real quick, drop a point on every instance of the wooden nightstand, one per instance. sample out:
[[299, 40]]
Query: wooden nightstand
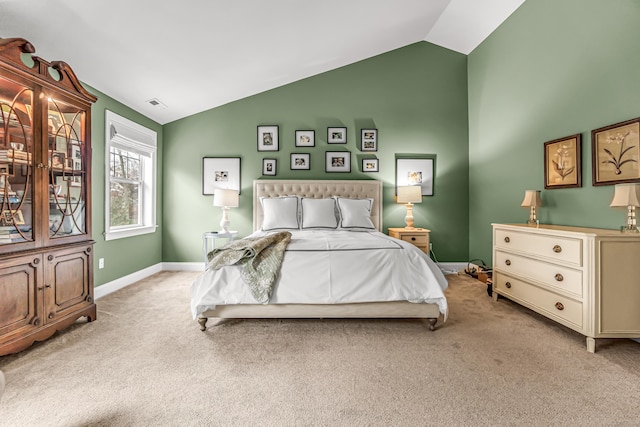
[[418, 237]]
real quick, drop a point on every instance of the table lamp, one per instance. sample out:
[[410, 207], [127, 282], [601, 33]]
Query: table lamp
[[409, 195], [532, 200], [225, 199], [627, 195]]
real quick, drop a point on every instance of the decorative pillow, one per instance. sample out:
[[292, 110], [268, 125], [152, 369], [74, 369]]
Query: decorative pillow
[[319, 213], [355, 213], [279, 213]]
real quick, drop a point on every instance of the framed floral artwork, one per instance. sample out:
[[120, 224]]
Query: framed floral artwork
[[300, 161], [416, 171], [220, 173], [337, 135], [269, 167], [370, 165], [305, 138], [337, 161], [562, 159], [268, 138], [369, 140], [616, 152]]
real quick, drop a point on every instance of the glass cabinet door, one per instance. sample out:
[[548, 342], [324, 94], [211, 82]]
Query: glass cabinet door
[[66, 127], [16, 163]]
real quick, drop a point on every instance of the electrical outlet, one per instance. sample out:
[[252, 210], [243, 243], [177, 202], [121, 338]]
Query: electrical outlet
[[101, 263]]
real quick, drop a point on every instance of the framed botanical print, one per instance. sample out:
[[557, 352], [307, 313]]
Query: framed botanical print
[[416, 171], [562, 159], [220, 173], [269, 167], [616, 153], [300, 161], [337, 135], [268, 138], [305, 138], [370, 165], [337, 161]]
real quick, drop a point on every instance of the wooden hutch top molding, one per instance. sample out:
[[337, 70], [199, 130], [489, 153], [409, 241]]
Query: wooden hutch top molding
[[10, 54]]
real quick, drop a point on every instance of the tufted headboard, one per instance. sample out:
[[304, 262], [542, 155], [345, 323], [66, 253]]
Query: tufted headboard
[[318, 189]]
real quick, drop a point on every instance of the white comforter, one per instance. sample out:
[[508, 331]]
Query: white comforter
[[333, 267]]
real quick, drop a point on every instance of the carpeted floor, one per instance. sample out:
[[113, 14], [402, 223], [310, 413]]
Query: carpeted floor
[[144, 362]]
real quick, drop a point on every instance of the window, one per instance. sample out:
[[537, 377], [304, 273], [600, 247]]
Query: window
[[130, 192]]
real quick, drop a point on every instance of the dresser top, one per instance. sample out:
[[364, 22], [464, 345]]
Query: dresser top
[[552, 229]]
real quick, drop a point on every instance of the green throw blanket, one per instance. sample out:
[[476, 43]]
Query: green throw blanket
[[259, 259]]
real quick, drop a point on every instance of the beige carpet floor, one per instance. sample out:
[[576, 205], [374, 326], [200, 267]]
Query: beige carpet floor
[[144, 362]]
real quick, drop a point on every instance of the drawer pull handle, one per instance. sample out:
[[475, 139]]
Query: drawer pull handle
[[559, 306], [413, 239], [559, 277], [508, 262], [508, 285], [507, 239], [557, 249]]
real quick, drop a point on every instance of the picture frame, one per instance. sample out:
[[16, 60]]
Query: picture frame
[[57, 159], [269, 167], [616, 153], [337, 161], [337, 135], [305, 138], [268, 138], [370, 165], [416, 171], [368, 139], [562, 159], [220, 173], [76, 156], [9, 217], [300, 161]]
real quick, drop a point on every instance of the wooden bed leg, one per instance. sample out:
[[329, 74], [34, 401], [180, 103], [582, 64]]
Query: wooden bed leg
[[432, 323], [203, 323]]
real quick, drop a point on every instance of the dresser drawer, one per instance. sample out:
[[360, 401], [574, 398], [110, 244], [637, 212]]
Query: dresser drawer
[[557, 277], [541, 300], [416, 239], [561, 249]]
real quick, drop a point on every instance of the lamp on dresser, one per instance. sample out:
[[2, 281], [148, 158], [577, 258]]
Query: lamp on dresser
[[225, 199], [409, 195], [628, 196], [532, 200]]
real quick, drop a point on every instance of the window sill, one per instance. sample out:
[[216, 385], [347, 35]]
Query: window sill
[[129, 232]]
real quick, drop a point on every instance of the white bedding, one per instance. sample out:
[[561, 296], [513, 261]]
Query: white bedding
[[333, 267]]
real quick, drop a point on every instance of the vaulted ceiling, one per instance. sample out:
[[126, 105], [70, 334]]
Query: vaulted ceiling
[[193, 55]]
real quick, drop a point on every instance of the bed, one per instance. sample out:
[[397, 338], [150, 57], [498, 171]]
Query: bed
[[317, 279]]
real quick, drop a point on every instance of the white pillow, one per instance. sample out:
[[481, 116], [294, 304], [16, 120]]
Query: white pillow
[[319, 213], [355, 213], [279, 213]]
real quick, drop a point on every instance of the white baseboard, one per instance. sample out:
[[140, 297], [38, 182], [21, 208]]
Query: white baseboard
[[183, 266], [125, 281], [451, 267]]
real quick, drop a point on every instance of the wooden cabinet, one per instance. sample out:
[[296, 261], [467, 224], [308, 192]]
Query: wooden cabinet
[[46, 272], [418, 237], [583, 278]]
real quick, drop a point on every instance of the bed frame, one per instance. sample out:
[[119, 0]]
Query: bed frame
[[321, 189]]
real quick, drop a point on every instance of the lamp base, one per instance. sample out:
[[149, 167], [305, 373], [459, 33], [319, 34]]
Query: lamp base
[[408, 220], [224, 222]]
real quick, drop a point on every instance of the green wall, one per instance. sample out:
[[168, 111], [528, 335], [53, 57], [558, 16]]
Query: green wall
[[415, 96], [128, 255], [553, 69]]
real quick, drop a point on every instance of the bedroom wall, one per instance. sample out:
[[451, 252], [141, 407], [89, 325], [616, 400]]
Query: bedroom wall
[[551, 70], [415, 96], [129, 255]]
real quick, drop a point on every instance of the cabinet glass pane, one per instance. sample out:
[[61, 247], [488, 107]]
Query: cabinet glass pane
[[67, 169], [16, 155]]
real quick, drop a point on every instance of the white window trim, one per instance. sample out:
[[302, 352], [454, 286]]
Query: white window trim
[[126, 133]]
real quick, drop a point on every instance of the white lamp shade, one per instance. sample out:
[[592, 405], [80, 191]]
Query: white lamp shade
[[410, 194], [626, 195], [225, 198], [531, 198]]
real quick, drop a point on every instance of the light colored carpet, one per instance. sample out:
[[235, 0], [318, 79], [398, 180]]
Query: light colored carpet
[[144, 362]]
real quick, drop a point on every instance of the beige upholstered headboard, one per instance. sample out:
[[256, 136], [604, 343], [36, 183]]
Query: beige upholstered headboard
[[318, 189]]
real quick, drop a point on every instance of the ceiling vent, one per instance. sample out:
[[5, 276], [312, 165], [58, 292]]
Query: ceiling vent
[[155, 102]]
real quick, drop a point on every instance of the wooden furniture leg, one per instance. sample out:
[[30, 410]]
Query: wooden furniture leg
[[203, 323], [432, 323]]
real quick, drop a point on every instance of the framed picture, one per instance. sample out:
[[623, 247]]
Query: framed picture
[[416, 171], [57, 159], [12, 218], [370, 165], [337, 161], [220, 173], [300, 161], [76, 156], [337, 135], [305, 138], [269, 166], [268, 138], [369, 139], [616, 153], [562, 158]]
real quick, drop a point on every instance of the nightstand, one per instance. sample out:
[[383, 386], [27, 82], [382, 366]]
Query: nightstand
[[209, 240], [418, 237]]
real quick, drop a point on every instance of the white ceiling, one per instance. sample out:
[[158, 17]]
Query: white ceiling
[[194, 55]]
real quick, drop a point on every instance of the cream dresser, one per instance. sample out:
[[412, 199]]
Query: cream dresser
[[584, 278]]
